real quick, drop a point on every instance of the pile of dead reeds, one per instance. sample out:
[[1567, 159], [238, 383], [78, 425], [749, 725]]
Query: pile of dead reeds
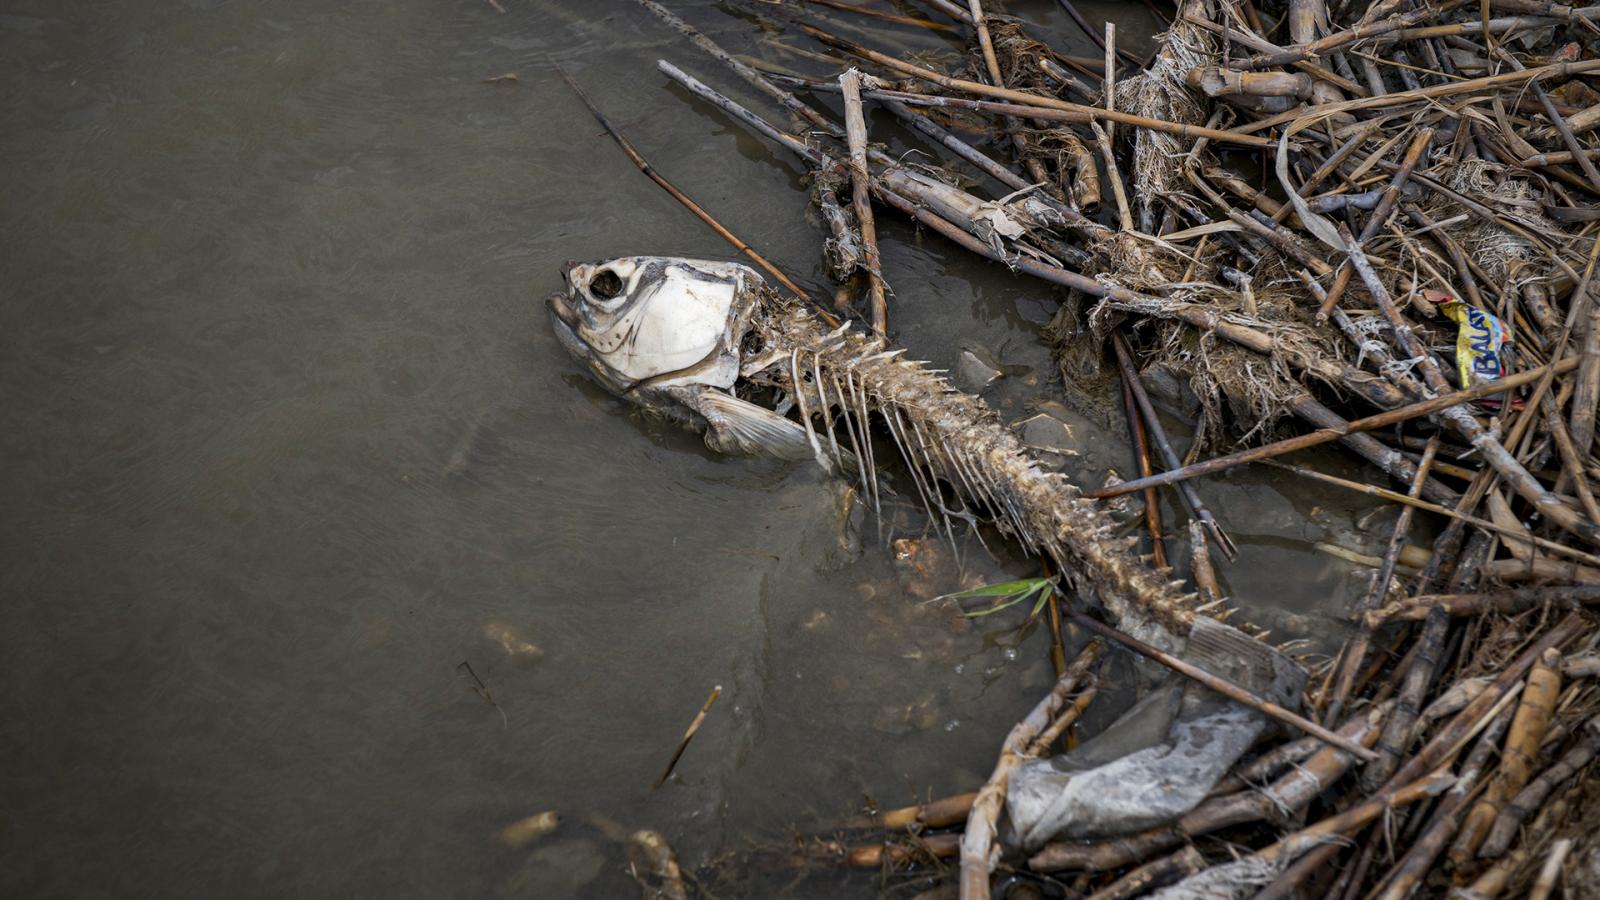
[[1361, 216]]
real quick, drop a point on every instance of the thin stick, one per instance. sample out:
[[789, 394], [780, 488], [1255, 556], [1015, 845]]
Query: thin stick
[[855, 126], [688, 736], [1485, 524], [1386, 203], [1550, 872], [1014, 129], [1355, 651], [1329, 435], [650, 171], [1169, 456], [1226, 688], [1141, 452]]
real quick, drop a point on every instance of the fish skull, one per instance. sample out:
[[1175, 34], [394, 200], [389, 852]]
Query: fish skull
[[651, 321]]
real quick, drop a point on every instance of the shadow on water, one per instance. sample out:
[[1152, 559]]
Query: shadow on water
[[287, 443]]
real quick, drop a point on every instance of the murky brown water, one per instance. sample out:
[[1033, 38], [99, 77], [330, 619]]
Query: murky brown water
[[287, 442]]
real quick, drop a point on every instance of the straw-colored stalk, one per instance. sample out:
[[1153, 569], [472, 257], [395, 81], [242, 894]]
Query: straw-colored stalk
[[1516, 764]]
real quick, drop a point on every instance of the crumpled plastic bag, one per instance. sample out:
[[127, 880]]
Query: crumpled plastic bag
[[1161, 758]]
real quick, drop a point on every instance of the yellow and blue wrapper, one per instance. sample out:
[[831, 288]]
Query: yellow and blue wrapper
[[1482, 349]]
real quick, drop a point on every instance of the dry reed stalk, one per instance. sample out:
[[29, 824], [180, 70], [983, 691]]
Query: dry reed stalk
[[1550, 872], [1396, 737], [855, 125], [1024, 103], [1510, 602], [1156, 873], [978, 853], [1516, 763], [1531, 798], [907, 851], [1355, 649], [1040, 747], [1328, 435], [688, 736], [1403, 880], [940, 813], [678, 195]]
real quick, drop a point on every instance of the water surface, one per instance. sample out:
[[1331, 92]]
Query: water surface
[[291, 459]]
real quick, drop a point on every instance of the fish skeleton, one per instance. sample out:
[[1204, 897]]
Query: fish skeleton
[[701, 342], [686, 337]]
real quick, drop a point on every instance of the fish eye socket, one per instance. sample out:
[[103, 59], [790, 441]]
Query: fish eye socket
[[605, 285]]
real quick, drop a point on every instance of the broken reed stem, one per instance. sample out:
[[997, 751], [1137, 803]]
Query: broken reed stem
[[1225, 688], [1040, 747], [1506, 603], [688, 736], [1516, 762], [978, 851], [1494, 453], [678, 195], [1391, 194], [1408, 873], [1355, 650], [1156, 873], [1405, 500], [855, 124], [1030, 103], [1329, 435], [1141, 453], [1532, 797]]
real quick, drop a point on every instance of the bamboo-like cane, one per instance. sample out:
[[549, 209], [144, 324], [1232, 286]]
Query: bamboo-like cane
[[1516, 763], [1531, 798], [1396, 737], [1402, 881], [1550, 872], [1508, 603], [1156, 873]]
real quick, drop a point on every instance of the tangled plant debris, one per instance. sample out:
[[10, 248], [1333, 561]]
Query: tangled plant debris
[[1354, 215]]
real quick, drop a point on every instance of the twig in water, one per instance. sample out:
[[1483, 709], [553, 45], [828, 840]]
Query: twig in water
[[688, 736], [482, 690], [681, 197]]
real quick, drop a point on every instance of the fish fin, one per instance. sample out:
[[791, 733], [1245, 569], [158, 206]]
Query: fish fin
[[738, 426]]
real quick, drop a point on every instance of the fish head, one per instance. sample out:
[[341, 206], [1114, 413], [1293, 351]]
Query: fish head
[[645, 322]]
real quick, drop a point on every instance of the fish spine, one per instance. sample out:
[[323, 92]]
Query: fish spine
[[943, 431]]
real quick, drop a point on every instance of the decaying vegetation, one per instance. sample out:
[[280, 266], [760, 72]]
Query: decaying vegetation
[[1330, 219]]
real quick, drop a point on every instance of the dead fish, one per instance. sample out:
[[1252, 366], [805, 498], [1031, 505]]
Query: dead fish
[[710, 345], [692, 340]]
